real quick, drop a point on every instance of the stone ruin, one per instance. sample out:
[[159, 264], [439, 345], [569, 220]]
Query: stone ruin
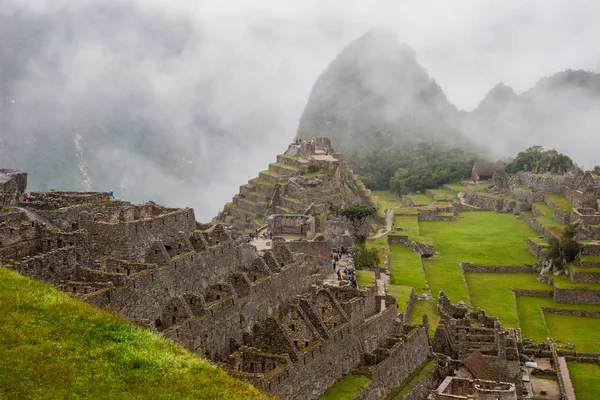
[[298, 193], [264, 316], [484, 360]]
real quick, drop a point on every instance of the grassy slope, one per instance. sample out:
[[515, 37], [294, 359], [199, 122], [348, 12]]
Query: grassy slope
[[347, 389], [491, 291], [59, 347], [406, 269], [585, 379], [481, 237]]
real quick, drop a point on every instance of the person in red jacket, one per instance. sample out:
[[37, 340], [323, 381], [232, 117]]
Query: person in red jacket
[[26, 198]]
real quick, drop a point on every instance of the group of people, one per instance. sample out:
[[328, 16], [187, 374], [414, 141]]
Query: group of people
[[255, 235], [25, 197], [348, 271]]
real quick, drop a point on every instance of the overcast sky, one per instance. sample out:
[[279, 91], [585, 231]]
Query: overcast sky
[[258, 60], [467, 46]]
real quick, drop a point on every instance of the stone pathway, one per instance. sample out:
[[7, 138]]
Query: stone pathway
[[564, 371]]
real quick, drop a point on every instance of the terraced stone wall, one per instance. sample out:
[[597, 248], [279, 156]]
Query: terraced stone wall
[[575, 296]]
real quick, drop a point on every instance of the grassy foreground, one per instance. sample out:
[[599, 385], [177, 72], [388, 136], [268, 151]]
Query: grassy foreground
[[55, 347]]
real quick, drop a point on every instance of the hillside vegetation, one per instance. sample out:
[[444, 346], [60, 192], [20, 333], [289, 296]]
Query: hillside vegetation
[[55, 347]]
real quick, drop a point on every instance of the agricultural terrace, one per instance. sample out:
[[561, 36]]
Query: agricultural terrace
[[490, 239], [483, 237]]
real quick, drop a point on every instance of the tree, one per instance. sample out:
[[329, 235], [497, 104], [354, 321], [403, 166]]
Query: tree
[[538, 160], [357, 214], [565, 250]]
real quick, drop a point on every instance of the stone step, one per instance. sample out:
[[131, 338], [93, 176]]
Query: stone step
[[257, 197], [264, 187], [257, 208], [247, 189], [284, 169], [292, 203], [269, 176], [293, 161], [284, 210], [242, 214]]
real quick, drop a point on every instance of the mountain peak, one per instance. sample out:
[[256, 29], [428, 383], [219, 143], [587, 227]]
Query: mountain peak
[[499, 96]]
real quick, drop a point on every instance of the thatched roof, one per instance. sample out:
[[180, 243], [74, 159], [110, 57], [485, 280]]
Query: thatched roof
[[485, 168], [479, 367]]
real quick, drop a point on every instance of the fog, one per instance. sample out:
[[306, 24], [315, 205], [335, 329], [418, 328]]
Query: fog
[[181, 102]]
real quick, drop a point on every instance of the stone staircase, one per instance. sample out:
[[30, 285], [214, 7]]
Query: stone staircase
[[254, 202]]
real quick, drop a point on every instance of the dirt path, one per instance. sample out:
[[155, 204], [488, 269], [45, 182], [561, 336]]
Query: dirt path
[[389, 224]]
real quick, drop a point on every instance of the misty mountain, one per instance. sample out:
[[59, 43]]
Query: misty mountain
[[560, 111], [376, 83]]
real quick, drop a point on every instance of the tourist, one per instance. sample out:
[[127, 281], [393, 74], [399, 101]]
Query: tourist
[[111, 194], [26, 198], [353, 283], [270, 235], [339, 274]]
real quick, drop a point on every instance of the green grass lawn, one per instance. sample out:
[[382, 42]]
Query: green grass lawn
[[482, 237], [428, 307], [456, 187], [531, 318], [581, 331], [420, 199], [409, 224], [561, 202], [347, 389], [491, 291], [401, 293], [443, 195], [56, 347], [585, 379], [364, 277], [406, 269]]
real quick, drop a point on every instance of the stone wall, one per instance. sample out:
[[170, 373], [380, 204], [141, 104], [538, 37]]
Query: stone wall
[[470, 267], [404, 358], [490, 203], [539, 228], [558, 214], [584, 277], [375, 329], [546, 183], [575, 296], [539, 250], [321, 250], [526, 195], [573, 313]]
